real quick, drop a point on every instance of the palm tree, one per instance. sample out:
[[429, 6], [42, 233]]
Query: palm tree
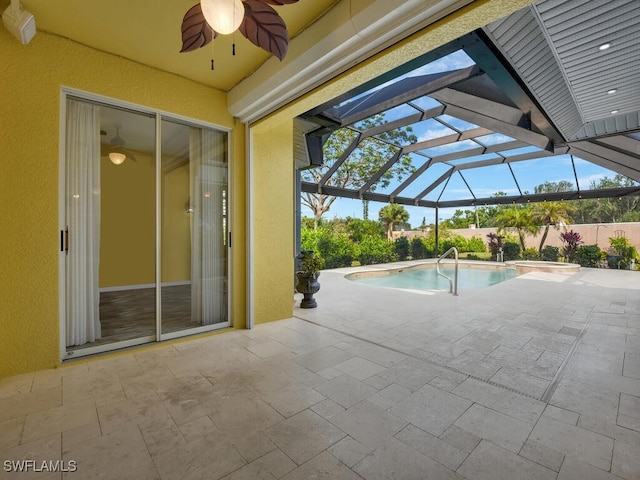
[[391, 215], [551, 213], [517, 218]]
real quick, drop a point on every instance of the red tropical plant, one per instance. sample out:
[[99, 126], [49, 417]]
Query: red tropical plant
[[570, 242], [262, 26]]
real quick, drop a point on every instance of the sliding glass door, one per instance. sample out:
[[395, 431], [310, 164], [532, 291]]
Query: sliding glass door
[[194, 228], [145, 228]]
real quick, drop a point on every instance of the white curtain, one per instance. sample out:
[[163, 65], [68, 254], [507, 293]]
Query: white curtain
[[208, 171], [83, 222]]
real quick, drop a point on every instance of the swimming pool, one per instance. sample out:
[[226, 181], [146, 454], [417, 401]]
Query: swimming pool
[[425, 277]]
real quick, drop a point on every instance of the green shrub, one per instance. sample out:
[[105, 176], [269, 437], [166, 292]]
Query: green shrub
[[531, 254], [374, 249], [401, 247], [625, 252], [476, 244], [357, 228], [550, 253], [336, 250], [418, 249], [511, 251], [588, 255]]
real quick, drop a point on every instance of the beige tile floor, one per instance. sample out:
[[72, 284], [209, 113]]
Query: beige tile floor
[[538, 377]]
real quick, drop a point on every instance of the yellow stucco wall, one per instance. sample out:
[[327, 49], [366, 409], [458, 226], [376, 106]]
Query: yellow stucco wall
[[273, 224], [127, 222], [31, 77], [273, 197], [176, 226]]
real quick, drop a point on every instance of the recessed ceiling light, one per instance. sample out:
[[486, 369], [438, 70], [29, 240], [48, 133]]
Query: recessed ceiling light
[[604, 46], [613, 90], [613, 112]]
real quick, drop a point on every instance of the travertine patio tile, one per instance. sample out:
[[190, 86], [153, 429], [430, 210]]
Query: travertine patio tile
[[346, 390], [161, 438], [379, 355], [561, 414], [349, 451], [500, 429], [577, 442], [586, 399], [269, 349], [11, 432], [529, 384], [368, 423], [545, 456], [323, 358], [504, 401], [411, 373], [322, 467], [200, 427], [461, 439], [238, 418], [23, 404], [304, 435], [120, 454], [56, 420], [631, 365], [626, 461], [211, 407], [573, 469], [10, 386], [474, 363], [205, 457], [606, 341], [273, 465], [328, 408], [395, 460], [610, 362], [119, 415], [629, 412], [431, 409], [490, 462], [359, 368], [434, 448], [290, 398], [42, 450], [389, 396]]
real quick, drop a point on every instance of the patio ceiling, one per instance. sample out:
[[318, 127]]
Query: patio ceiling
[[536, 88]]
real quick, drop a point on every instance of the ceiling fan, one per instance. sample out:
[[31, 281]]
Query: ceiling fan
[[116, 148], [255, 19]]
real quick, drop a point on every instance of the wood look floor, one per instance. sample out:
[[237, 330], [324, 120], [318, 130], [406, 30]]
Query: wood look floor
[[129, 314]]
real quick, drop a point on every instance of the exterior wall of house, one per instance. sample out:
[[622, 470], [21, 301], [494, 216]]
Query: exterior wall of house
[[273, 237], [32, 77]]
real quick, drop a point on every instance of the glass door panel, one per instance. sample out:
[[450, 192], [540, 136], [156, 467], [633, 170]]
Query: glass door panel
[[145, 240], [193, 227], [110, 213]]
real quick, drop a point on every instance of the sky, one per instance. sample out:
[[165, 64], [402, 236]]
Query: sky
[[484, 182]]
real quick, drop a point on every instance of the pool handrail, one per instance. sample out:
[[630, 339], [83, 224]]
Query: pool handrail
[[453, 286]]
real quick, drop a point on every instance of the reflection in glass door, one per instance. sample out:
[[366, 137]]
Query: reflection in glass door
[[142, 229], [194, 227]]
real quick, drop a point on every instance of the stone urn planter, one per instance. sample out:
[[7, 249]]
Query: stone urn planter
[[310, 264]]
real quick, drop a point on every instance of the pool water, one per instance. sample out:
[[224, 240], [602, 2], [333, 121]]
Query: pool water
[[428, 278]]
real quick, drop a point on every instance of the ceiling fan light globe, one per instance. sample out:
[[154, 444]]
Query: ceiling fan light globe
[[223, 16], [117, 158]]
